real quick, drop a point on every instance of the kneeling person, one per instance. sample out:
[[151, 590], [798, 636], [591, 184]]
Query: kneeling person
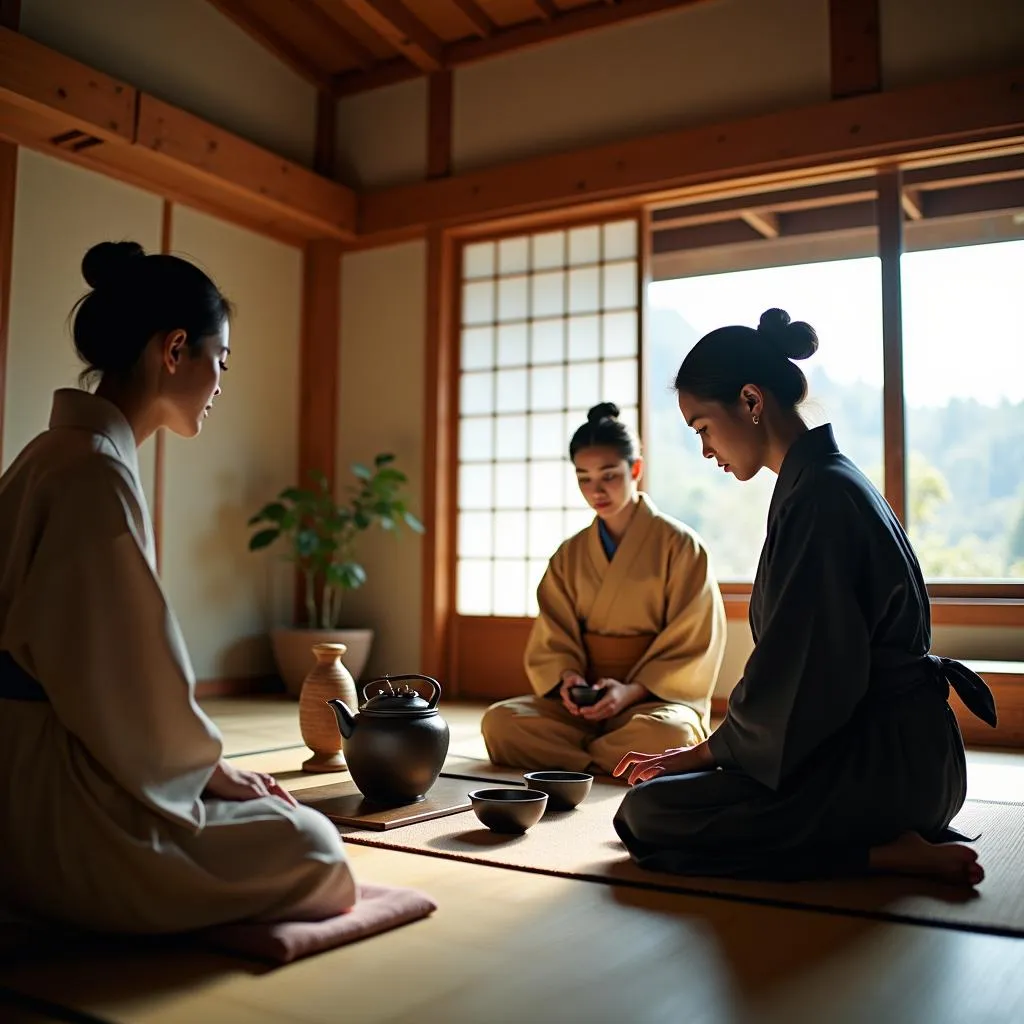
[[630, 606]]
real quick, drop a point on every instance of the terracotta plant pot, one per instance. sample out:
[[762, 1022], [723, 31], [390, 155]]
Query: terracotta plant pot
[[327, 680], [293, 652]]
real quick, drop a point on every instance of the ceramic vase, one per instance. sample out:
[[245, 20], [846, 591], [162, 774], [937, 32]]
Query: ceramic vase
[[327, 679]]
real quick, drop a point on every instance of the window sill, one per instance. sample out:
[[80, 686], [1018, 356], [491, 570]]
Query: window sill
[[946, 611]]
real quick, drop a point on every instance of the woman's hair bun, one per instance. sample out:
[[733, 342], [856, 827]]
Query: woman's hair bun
[[604, 411], [795, 340], [107, 262]]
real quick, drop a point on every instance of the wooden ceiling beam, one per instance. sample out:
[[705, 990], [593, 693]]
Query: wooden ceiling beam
[[340, 38], [850, 135], [264, 34], [547, 9], [397, 25], [481, 21], [966, 172], [519, 37]]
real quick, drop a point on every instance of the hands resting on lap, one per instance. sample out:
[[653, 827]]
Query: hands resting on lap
[[231, 783]]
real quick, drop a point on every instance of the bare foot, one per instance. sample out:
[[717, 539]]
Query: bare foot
[[913, 855]]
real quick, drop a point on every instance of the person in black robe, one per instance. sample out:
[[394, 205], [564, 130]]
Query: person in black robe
[[839, 753]]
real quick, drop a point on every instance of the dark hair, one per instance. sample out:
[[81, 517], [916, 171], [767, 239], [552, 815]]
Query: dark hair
[[603, 429], [135, 296], [718, 366]]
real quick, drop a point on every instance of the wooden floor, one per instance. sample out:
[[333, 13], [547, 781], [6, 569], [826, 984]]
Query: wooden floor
[[507, 946]]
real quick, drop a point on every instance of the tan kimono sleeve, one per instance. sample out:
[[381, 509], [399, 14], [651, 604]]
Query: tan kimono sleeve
[[683, 662], [555, 644], [93, 627]]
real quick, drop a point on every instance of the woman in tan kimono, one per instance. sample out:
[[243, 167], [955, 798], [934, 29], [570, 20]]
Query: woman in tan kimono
[[630, 606], [118, 812], [839, 753]]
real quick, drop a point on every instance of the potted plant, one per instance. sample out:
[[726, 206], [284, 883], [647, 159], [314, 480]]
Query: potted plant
[[321, 536]]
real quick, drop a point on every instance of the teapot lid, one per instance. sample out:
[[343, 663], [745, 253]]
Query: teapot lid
[[396, 700]]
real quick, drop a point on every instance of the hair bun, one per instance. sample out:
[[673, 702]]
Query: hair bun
[[795, 340], [603, 411], [107, 262]]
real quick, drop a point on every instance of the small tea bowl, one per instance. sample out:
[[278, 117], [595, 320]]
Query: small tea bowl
[[585, 696], [511, 810], [564, 789]]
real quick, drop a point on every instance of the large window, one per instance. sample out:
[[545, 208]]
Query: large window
[[842, 299], [963, 343], [549, 328]]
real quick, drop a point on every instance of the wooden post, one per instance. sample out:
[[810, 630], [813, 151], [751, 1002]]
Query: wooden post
[[890, 245], [856, 51], [318, 370], [439, 429], [439, 135], [326, 127]]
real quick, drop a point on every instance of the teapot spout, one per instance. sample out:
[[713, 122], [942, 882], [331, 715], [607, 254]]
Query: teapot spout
[[346, 720]]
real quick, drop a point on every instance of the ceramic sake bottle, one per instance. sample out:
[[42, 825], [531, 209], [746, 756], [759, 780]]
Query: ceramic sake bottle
[[328, 679]]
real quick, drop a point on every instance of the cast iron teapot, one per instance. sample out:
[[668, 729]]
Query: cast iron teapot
[[396, 745]]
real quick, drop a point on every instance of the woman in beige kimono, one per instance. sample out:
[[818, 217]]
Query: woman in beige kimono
[[118, 812], [629, 606]]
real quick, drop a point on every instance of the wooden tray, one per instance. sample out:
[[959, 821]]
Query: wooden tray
[[345, 805]]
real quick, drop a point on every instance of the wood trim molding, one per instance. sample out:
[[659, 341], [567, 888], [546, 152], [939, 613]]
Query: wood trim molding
[[8, 197], [992, 613], [238, 686], [63, 108], [855, 47], [438, 507], [849, 135], [890, 246]]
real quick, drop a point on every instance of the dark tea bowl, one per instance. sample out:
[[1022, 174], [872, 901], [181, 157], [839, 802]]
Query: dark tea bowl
[[511, 810], [585, 696], [564, 789]]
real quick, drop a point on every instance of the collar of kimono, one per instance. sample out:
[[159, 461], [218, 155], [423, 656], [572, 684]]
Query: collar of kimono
[[86, 411], [635, 532], [814, 446]]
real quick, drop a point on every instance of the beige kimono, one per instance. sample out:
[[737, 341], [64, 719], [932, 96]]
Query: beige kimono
[[652, 615], [103, 820]]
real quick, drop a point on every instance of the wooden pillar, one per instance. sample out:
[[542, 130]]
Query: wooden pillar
[[326, 126], [439, 132], [318, 371], [439, 440], [890, 245], [855, 44]]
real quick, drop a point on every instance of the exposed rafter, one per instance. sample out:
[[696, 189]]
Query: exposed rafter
[[766, 224], [496, 41], [397, 25], [264, 34], [481, 21], [344, 42]]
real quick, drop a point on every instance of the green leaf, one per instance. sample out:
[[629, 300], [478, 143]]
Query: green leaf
[[383, 459], [413, 522], [297, 495], [391, 476], [361, 471], [387, 522], [306, 543], [263, 539], [348, 575]]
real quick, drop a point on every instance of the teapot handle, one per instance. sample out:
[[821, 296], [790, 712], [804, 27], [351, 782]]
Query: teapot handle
[[435, 695]]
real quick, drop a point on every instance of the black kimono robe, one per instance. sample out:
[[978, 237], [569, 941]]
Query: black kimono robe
[[839, 736]]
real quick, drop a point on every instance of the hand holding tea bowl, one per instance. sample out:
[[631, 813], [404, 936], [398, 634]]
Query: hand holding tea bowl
[[565, 790], [511, 809], [585, 696]]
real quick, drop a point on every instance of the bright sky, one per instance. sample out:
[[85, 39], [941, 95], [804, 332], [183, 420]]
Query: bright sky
[[963, 317]]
